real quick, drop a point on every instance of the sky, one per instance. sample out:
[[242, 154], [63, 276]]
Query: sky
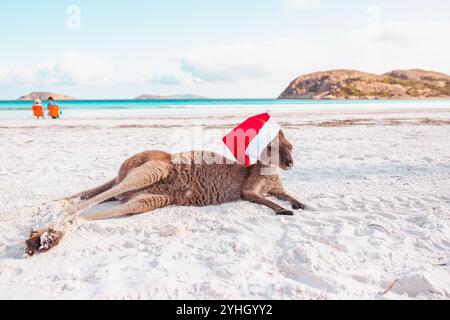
[[100, 49]]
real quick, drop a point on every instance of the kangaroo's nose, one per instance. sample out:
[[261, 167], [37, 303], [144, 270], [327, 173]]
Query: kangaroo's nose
[[291, 163]]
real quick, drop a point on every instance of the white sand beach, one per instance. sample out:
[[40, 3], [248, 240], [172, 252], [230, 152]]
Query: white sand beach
[[377, 183]]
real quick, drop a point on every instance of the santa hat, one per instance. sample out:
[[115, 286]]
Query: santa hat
[[249, 139]]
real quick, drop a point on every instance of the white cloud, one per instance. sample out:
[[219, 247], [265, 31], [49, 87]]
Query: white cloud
[[273, 58], [78, 69], [4, 74], [70, 69], [401, 45], [165, 80]]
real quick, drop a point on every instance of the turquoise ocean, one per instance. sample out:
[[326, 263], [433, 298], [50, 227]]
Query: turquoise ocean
[[144, 104], [149, 108]]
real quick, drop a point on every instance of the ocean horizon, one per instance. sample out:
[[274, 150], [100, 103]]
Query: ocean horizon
[[180, 103], [86, 109]]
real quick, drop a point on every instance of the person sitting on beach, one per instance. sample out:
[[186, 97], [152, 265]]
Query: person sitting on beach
[[53, 108], [38, 109]]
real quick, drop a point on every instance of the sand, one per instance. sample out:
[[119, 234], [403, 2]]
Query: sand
[[378, 227]]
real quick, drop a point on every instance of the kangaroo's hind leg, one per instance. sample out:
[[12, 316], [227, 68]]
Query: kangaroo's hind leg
[[138, 178], [139, 204], [146, 175], [89, 194], [129, 165]]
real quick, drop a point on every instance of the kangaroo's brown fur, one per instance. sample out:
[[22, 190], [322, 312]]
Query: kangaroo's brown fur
[[152, 180]]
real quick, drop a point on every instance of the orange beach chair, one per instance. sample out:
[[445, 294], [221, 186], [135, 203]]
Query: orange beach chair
[[38, 111], [53, 111]]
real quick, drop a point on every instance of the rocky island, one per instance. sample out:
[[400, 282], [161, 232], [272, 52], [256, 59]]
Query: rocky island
[[45, 96], [352, 84]]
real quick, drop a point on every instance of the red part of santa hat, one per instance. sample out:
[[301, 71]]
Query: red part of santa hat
[[249, 139]]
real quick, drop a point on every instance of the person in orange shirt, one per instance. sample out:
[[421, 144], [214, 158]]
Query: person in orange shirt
[[53, 108], [38, 109]]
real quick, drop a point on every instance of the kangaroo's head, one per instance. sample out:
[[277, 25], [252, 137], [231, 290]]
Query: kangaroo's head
[[278, 153]]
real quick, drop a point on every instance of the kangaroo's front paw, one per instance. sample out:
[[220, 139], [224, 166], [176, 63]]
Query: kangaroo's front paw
[[285, 213], [298, 205], [42, 241]]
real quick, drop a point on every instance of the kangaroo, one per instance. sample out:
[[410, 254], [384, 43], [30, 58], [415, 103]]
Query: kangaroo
[[156, 179]]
